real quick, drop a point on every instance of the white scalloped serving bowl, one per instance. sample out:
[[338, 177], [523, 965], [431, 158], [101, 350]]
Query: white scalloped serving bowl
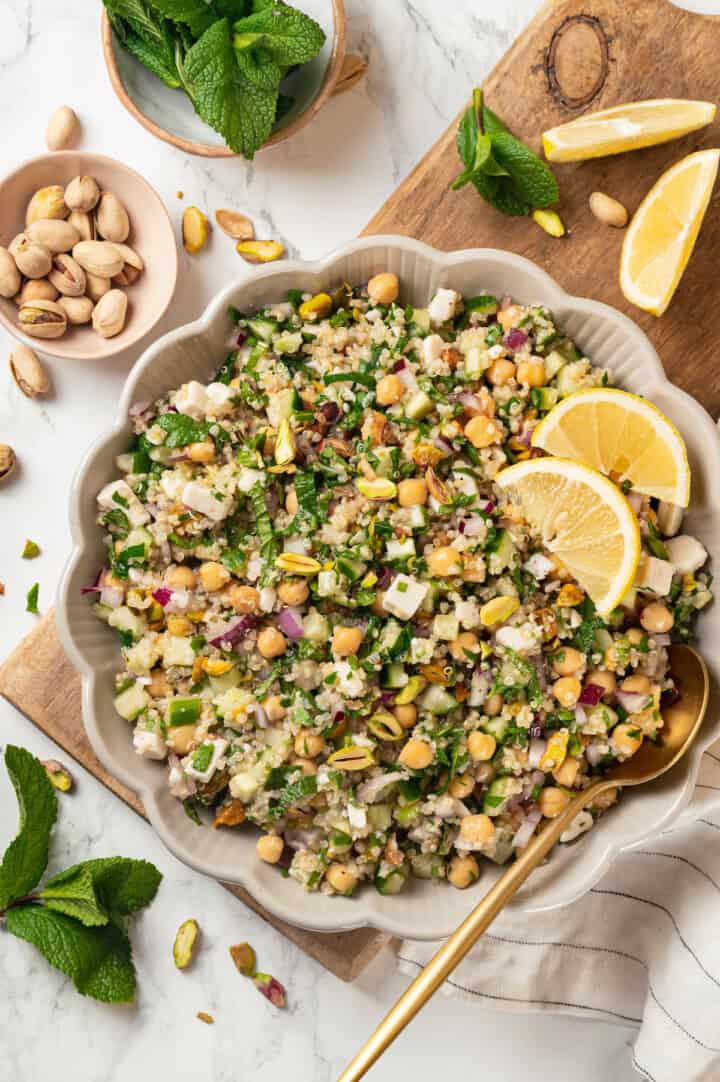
[[425, 910]]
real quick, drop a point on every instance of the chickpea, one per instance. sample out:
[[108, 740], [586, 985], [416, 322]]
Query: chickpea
[[181, 739], [309, 745], [603, 679], [307, 766], [201, 452], [389, 390], [294, 592], [271, 642], [477, 829], [274, 708], [627, 738], [656, 618], [341, 878], [474, 569], [383, 288], [406, 715], [269, 847], [500, 372], [463, 871], [553, 802], [605, 800], [181, 578], [158, 686], [417, 754], [566, 774], [637, 682], [510, 316], [346, 640], [466, 643], [244, 599], [413, 492], [291, 501], [493, 705], [461, 786], [482, 431], [635, 635], [179, 625], [567, 691], [445, 562], [214, 576], [568, 662], [481, 746], [531, 373]]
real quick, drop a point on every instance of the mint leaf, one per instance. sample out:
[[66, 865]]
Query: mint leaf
[[121, 885], [181, 430], [197, 15], [291, 36], [224, 96], [75, 896], [26, 857], [491, 122], [532, 179], [97, 960], [150, 39]]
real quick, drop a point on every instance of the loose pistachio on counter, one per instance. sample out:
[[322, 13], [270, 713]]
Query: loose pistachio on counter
[[8, 461], [63, 129], [236, 225], [29, 372]]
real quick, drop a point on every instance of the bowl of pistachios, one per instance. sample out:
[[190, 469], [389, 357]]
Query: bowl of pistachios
[[88, 259]]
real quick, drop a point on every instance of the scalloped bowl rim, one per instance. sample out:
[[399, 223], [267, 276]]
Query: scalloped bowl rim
[[364, 909]]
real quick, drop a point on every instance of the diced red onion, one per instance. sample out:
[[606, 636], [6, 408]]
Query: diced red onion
[[475, 526], [594, 753], [580, 715], [670, 696], [662, 639], [370, 790], [234, 631], [591, 694], [535, 729], [461, 526], [399, 365], [387, 696], [138, 408], [489, 507], [449, 807], [385, 577], [162, 595], [635, 501], [526, 434], [526, 829], [98, 583], [303, 839], [261, 718], [290, 622], [538, 748], [407, 377], [537, 777], [330, 411], [338, 712], [111, 596], [632, 701], [442, 445], [241, 338], [515, 338], [471, 403], [505, 301]]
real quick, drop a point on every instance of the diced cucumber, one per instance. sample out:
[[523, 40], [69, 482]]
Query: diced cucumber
[[263, 328], [380, 816], [446, 627], [544, 398], [392, 883], [281, 405], [437, 700], [603, 639], [601, 715], [421, 316], [327, 583], [394, 676], [316, 627], [139, 536], [497, 727], [419, 406], [406, 814], [484, 303], [388, 461], [476, 361], [228, 680], [502, 553], [400, 550], [497, 796], [427, 865], [124, 619], [131, 702], [569, 379], [553, 363], [351, 569], [183, 712], [418, 517], [288, 343]]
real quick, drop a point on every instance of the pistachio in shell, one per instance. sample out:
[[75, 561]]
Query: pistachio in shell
[[47, 203], [98, 257], [112, 219], [16, 244], [84, 223], [67, 276], [63, 129], [42, 319], [56, 236], [82, 194], [10, 279], [33, 260], [28, 372], [37, 289], [8, 461], [97, 287], [78, 310], [132, 267], [108, 318], [236, 225]]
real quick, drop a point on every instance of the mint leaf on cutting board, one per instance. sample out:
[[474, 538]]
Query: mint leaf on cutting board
[[26, 857]]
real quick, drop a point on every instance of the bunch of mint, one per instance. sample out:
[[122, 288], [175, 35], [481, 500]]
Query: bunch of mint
[[78, 919], [229, 56], [506, 173]]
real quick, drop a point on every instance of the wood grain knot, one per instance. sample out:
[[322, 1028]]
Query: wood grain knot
[[577, 61]]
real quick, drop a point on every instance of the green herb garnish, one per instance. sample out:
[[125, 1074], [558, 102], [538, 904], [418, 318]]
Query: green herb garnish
[[31, 602], [31, 550]]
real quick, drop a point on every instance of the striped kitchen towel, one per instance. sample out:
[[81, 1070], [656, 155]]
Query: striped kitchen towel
[[641, 948]]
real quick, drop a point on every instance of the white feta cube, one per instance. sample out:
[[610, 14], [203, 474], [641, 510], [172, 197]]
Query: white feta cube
[[178, 784], [247, 479], [191, 400], [432, 348], [523, 640], [218, 396], [244, 785], [421, 650], [444, 305], [172, 483], [141, 657], [350, 682], [669, 517], [655, 575], [218, 750], [686, 554], [539, 566], [468, 613], [446, 627], [149, 744], [200, 498], [582, 822], [404, 596], [177, 651], [132, 507]]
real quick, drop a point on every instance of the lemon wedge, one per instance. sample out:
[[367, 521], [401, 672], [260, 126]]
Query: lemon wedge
[[583, 519], [621, 435], [625, 127], [662, 234]]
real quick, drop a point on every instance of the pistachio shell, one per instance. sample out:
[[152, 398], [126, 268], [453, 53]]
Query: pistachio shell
[[132, 267], [98, 257], [82, 194], [57, 236], [47, 203], [112, 219], [16, 244], [63, 129], [28, 372], [234, 224], [96, 286], [10, 280], [108, 318], [37, 289], [84, 223], [33, 260], [67, 276], [43, 319], [78, 310], [8, 461], [130, 256]]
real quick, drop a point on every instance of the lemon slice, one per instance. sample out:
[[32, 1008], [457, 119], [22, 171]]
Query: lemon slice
[[623, 436], [625, 127], [662, 234], [583, 519]]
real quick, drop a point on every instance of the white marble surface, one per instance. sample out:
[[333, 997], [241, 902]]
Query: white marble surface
[[312, 193]]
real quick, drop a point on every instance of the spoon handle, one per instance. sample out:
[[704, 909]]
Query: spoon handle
[[454, 950]]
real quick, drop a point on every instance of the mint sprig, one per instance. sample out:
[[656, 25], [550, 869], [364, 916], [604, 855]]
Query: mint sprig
[[78, 919], [505, 172]]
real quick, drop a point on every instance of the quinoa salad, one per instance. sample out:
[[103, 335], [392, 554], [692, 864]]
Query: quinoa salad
[[336, 627]]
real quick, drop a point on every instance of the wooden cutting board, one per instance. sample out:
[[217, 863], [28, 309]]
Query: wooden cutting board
[[576, 56]]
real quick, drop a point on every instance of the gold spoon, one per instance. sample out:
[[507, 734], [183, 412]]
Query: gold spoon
[[682, 721]]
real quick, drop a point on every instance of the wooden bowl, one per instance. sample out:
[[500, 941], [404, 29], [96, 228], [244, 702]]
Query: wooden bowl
[[151, 234], [169, 115]]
